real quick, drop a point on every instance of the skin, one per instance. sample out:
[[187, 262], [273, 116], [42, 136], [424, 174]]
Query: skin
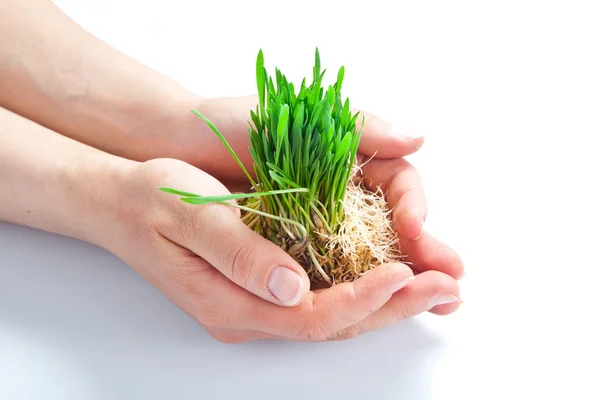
[[119, 130]]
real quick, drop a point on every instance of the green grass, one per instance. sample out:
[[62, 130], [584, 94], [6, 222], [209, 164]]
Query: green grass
[[303, 142]]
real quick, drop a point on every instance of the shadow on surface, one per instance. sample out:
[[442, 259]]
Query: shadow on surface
[[127, 341]]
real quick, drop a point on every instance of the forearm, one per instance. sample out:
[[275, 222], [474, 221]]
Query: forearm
[[54, 72], [53, 183]]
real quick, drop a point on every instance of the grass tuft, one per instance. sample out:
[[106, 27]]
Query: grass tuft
[[304, 143]]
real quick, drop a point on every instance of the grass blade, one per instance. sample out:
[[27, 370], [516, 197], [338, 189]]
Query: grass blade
[[235, 196], [178, 192], [220, 135]]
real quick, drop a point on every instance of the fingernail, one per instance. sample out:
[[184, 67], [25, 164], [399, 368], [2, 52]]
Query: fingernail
[[443, 299], [406, 133], [422, 230], [405, 282], [286, 285]]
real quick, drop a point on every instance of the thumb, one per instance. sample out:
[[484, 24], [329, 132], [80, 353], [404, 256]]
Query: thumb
[[246, 258], [383, 140]]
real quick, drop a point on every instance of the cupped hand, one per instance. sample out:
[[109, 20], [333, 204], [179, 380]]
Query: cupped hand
[[383, 148], [242, 287]]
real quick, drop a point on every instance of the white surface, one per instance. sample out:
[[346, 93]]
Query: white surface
[[508, 95]]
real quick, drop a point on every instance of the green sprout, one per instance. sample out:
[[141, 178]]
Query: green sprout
[[303, 143]]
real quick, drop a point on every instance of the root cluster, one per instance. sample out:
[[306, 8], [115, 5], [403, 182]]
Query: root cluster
[[365, 239]]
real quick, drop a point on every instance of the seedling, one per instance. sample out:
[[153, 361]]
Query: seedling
[[307, 195]]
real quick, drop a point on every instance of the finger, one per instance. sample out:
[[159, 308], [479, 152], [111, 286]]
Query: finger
[[217, 234], [206, 295], [404, 192], [226, 306], [331, 310], [381, 139], [249, 260], [431, 254], [403, 189], [430, 291]]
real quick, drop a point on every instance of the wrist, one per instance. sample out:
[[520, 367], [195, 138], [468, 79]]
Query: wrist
[[55, 184], [90, 195]]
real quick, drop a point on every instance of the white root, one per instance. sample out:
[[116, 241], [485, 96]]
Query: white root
[[366, 237]]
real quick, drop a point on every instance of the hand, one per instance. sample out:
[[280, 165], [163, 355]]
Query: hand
[[201, 257], [383, 148], [224, 275]]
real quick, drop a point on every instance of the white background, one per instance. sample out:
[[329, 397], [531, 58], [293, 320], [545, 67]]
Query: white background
[[508, 94]]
